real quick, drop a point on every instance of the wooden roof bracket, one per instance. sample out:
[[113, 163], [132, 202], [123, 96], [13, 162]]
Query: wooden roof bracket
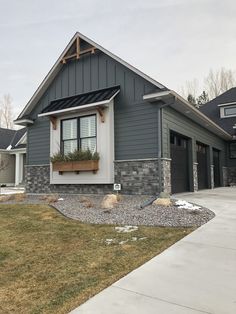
[[79, 52], [54, 122], [101, 114]]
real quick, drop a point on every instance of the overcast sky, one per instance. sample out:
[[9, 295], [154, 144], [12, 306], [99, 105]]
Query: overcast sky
[[171, 40]]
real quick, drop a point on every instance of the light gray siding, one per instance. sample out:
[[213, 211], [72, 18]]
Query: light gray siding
[[7, 176], [135, 121], [173, 120]]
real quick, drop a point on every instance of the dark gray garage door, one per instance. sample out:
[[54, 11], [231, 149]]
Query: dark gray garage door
[[202, 166], [179, 163], [216, 163]]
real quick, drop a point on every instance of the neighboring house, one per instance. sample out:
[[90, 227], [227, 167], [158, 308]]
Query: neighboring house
[[13, 155], [222, 110], [149, 138]]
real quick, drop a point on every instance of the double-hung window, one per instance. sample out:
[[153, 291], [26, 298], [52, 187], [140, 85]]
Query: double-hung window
[[79, 133]]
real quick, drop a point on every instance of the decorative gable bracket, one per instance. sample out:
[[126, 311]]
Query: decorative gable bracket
[[78, 51]]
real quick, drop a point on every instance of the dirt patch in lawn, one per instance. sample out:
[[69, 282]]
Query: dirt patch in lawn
[[51, 264]]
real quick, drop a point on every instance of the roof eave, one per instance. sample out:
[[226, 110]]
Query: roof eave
[[24, 122], [209, 124]]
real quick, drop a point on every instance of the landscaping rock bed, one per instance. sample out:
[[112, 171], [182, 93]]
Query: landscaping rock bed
[[87, 208]]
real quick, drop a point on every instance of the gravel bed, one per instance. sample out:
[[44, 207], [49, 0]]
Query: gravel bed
[[87, 208]]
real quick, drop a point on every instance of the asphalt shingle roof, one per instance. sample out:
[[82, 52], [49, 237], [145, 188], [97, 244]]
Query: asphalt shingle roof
[[10, 137], [82, 99], [212, 111]]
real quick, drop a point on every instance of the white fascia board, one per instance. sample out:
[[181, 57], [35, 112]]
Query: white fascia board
[[227, 104], [21, 141], [51, 74], [78, 108], [191, 108], [157, 96], [17, 150], [23, 121]]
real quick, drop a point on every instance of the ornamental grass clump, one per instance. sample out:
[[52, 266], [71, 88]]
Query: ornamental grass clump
[[77, 155]]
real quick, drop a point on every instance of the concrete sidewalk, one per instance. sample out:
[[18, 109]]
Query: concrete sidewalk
[[196, 275]]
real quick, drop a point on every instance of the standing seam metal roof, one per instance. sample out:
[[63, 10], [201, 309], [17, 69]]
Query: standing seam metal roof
[[82, 99]]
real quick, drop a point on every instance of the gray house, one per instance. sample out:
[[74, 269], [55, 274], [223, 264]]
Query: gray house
[[149, 138], [222, 110], [12, 156]]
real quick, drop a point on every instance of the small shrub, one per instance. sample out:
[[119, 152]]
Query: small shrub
[[6, 198], [50, 198], [20, 197], [77, 155], [86, 202]]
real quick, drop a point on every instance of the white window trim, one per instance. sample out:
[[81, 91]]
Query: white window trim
[[226, 106], [105, 148]]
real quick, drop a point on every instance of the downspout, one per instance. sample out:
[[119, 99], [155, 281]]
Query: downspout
[[159, 146]]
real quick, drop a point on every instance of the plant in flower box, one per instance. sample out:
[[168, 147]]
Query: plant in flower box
[[79, 160]]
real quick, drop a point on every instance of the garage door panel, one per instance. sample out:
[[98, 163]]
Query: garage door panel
[[202, 166], [179, 164]]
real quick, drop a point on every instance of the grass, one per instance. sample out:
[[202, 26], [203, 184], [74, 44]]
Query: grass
[[51, 264]]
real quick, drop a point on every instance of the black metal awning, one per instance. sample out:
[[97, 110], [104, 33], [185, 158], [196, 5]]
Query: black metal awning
[[81, 101]]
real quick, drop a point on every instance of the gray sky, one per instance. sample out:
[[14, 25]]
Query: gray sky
[[171, 40]]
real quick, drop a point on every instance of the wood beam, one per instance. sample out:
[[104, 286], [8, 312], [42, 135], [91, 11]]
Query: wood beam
[[77, 47], [79, 52], [54, 122], [101, 114]]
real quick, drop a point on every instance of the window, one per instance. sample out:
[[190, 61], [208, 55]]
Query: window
[[232, 150], [230, 111], [201, 148], [69, 135], [178, 140], [79, 133], [227, 110]]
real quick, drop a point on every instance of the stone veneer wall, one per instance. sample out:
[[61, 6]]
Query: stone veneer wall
[[38, 181], [225, 176], [231, 176], [212, 177], [166, 175], [195, 177], [136, 177]]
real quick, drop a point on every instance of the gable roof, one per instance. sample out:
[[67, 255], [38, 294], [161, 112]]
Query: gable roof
[[17, 137], [10, 138], [6, 136], [58, 65], [212, 111]]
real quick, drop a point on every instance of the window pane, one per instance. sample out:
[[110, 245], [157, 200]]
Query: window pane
[[70, 146], [89, 143], [69, 129], [230, 111], [87, 126]]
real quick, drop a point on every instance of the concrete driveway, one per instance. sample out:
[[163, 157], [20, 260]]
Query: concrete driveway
[[196, 275]]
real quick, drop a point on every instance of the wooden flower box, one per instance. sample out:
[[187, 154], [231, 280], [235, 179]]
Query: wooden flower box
[[75, 166]]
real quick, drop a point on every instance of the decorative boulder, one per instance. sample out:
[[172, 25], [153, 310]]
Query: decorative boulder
[[162, 202], [109, 201]]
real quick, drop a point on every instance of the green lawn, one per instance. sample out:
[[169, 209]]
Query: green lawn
[[51, 264]]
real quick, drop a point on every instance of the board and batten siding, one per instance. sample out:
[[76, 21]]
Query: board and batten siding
[[173, 120], [135, 121]]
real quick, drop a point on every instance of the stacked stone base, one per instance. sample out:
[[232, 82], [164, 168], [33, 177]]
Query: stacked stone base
[[135, 177], [231, 176]]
